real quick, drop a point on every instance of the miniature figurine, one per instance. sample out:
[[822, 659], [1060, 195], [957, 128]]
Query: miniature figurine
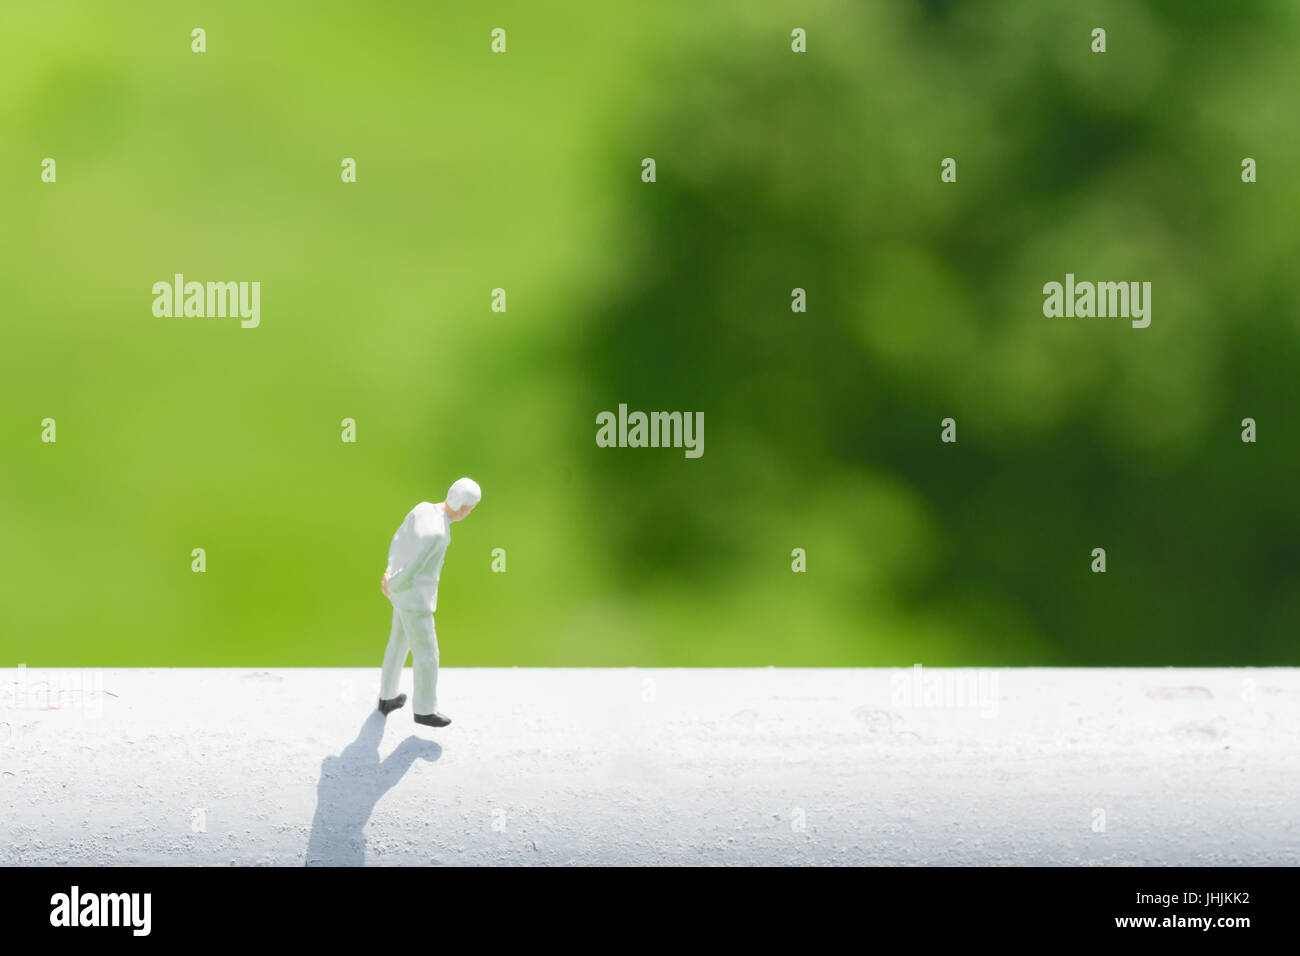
[[410, 582]]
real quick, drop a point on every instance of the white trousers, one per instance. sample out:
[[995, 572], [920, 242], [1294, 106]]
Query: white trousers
[[412, 632]]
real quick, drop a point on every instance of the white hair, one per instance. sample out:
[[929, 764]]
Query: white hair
[[463, 491]]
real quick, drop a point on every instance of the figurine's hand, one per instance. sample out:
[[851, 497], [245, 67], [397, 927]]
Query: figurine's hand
[[383, 585]]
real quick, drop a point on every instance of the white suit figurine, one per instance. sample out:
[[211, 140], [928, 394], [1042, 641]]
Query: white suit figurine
[[411, 584]]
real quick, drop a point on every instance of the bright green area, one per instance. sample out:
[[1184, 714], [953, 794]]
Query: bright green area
[[775, 170]]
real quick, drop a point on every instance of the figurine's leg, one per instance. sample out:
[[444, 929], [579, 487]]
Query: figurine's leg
[[424, 663], [394, 659]]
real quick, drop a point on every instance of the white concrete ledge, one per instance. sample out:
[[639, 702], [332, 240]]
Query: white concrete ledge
[[629, 766]]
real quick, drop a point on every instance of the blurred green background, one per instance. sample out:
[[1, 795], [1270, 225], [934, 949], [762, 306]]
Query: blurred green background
[[775, 171]]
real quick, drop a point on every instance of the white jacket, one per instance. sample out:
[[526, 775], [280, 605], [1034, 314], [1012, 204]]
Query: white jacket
[[415, 558]]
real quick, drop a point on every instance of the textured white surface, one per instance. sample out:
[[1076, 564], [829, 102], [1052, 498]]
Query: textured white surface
[[652, 766]]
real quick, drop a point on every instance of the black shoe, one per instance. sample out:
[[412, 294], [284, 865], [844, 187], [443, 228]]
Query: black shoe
[[386, 707], [432, 720]]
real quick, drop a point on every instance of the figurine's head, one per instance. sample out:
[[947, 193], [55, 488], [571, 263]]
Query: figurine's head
[[462, 496]]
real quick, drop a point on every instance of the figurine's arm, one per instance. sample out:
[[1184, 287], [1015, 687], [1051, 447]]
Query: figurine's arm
[[393, 578], [400, 578]]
